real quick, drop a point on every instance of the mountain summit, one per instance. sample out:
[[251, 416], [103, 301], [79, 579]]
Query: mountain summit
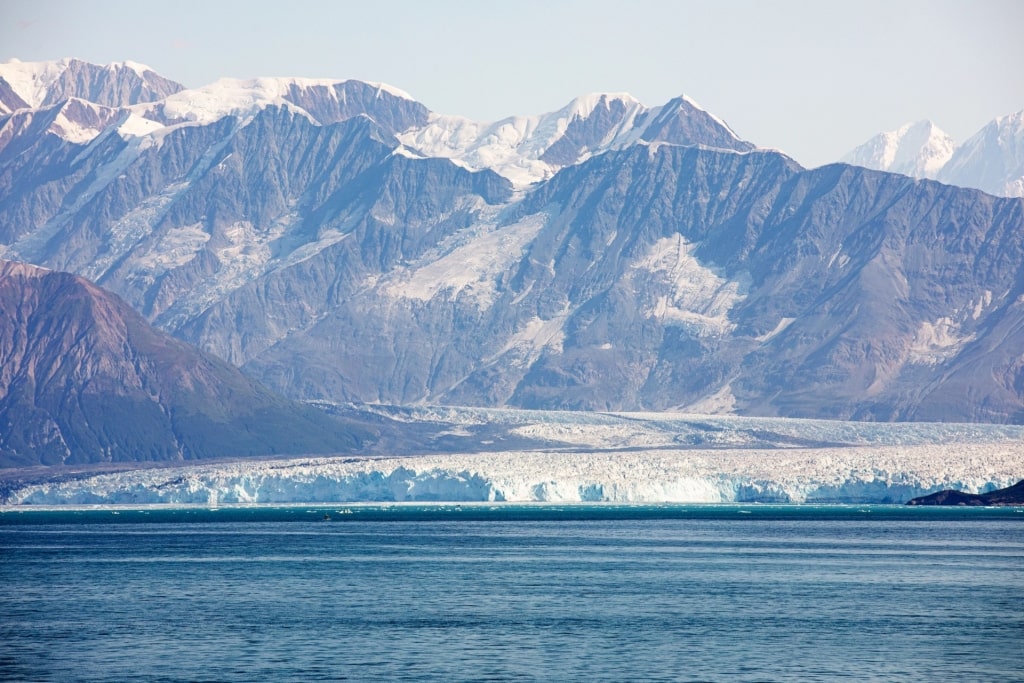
[[30, 85], [917, 149], [991, 160]]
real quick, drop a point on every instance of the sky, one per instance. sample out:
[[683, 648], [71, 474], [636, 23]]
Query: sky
[[811, 78]]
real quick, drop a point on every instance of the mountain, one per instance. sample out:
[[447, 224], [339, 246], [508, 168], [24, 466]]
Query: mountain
[[527, 149], [339, 241], [992, 160], [917, 149], [84, 379], [30, 85]]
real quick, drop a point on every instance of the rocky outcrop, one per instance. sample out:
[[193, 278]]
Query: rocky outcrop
[[1011, 495]]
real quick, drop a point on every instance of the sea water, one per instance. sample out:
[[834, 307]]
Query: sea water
[[402, 593]]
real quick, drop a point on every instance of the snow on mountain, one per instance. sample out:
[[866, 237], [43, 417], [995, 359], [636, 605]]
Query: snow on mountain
[[528, 149], [991, 160], [225, 97], [524, 149], [333, 239], [919, 150], [685, 292], [515, 146], [467, 263], [635, 457], [36, 84], [244, 97], [31, 81], [74, 120]]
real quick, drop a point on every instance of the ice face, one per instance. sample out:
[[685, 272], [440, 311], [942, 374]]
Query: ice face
[[591, 457], [841, 476]]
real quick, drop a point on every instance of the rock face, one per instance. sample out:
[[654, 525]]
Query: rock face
[[336, 240], [1012, 495], [83, 378]]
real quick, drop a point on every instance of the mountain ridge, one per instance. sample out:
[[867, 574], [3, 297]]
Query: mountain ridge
[[654, 262]]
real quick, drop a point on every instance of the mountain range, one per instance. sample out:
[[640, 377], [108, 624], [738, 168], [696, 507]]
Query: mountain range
[[991, 160], [337, 240]]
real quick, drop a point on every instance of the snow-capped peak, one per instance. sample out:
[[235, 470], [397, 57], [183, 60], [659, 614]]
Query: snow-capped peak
[[225, 97], [244, 97], [138, 68], [36, 84], [696, 105], [31, 81], [516, 146], [526, 149], [583, 106], [917, 149], [992, 159]]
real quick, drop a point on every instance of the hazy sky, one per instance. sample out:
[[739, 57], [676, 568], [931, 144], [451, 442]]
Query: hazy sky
[[811, 78]]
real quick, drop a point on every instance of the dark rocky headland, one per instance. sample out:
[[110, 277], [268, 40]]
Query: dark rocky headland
[[1011, 495]]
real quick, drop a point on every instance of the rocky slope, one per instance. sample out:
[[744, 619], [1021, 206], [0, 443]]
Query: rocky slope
[[83, 378]]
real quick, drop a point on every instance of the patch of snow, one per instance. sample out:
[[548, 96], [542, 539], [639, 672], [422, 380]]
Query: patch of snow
[[243, 250], [72, 131], [839, 259], [175, 248], [124, 234], [722, 402], [139, 69], [783, 324], [327, 238], [937, 342], [687, 293], [471, 266], [984, 301], [135, 126], [536, 336]]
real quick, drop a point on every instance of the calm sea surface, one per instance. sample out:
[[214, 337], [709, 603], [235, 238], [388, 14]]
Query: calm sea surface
[[674, 593]]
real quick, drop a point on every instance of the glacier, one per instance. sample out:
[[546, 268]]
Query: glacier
[[591, 457]]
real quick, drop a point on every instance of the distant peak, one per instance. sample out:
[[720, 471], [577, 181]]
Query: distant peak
[[584, 105]]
